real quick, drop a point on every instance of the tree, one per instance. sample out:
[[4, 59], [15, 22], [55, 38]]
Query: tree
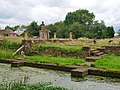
[[80, 22], [14, 28], [77, 29], [82, 16], [52, 29], [33, 29], [98, 29], [118, 32], [110, 32]]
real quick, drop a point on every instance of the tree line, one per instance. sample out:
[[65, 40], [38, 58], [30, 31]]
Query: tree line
[[81, 23]]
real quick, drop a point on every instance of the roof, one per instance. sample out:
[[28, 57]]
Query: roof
[[19, 31], [6, 31]]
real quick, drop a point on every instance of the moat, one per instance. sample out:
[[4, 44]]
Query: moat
[[58, 78]]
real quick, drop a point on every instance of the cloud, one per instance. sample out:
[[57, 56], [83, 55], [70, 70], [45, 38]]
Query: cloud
[[55, 3], [14, 12]]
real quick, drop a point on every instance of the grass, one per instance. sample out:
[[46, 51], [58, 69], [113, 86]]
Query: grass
[[61, 46], [78, 44], [58, 50], [59, 60], [21, 86], [12, 39], [109, 62], [5, 44], [5, 54], [7, 48], [99, 42]]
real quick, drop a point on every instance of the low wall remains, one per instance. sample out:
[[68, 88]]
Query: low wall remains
[[75, 70], [42, 41], [112, 49], [86, 51], [101, 72]]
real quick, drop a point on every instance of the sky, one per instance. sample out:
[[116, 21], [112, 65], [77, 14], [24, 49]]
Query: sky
[[23, 12]]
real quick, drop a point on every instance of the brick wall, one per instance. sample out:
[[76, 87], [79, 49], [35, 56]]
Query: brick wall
[[112, 49]]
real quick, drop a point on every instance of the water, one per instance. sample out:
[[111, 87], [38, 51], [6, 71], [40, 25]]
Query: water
[[58, 78]]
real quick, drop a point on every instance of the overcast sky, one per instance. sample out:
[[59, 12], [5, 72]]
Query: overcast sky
[[18, 12]]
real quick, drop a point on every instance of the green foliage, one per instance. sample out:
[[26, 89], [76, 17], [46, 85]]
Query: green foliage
[[54, 50], [12, 28], [5, 54], [7, 48], [82, 16], [59, 47], [110, 32], [9, 45], [81, 22], [59, 60], [33, 29], [109, 62], [77, 29], [22, 86]]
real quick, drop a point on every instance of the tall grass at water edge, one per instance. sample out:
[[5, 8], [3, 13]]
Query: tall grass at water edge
[[22, 86], [5, 44], [6, 54], [7, 48]]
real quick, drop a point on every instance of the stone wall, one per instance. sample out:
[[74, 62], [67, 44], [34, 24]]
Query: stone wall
[[56, 52], [42, 41], [101, 72], [112, 49], [51, 51], [75, 70], [86, 51], [27, 44]]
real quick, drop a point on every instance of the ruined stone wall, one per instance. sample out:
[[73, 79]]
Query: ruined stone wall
[[86, 51], [112, 49], [51, 51], [27, 44], [56, 52], [101, 72]]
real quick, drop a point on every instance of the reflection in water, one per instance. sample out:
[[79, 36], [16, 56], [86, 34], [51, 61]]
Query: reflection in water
[[59, 78]]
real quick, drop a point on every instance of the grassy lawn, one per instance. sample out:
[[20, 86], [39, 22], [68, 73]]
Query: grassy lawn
[[109, 62], [58, 60]]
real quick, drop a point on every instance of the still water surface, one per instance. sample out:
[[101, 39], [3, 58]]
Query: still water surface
[[58, 78]]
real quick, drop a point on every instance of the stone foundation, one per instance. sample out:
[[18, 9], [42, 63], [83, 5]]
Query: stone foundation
[[86, 51], [17, 64], [101, 72], [79, 72], [112, 49], [75, 70]]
